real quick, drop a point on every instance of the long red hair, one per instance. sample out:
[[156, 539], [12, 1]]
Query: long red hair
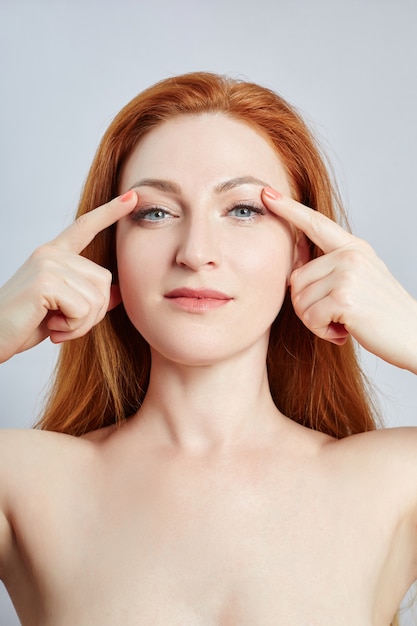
[[102, 378]]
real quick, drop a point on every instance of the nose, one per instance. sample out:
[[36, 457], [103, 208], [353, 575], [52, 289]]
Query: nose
[[199, 246]]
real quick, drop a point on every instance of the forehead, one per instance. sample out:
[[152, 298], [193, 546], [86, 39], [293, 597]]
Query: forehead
[[206, 148]]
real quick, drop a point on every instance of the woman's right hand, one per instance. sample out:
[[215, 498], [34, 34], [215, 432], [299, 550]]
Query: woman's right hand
[[57, 293]]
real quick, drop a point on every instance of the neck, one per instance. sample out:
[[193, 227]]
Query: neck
[[208, 407]]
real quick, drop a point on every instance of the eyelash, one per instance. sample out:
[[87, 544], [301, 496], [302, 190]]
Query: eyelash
[[142, 214], [252, 207]]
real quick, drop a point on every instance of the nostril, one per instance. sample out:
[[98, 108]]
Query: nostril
[[199, 250]]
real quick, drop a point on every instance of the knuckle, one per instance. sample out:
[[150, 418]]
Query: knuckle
[[45, 276], [345, 276], [307, 317], [99, 300], [294, 280], [43, 283], [296, 301], [352, 256], [317, 222], [42, 253], [343, 297], [82, 231], [82, 221], [46, 263], [102, 302], [83, 310], [106, 276]]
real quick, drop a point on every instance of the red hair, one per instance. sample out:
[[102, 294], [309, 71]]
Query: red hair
[[102, 378]]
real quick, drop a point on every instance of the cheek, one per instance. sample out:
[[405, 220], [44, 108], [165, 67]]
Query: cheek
[[270, 262], [134, 273], [135, 288], [271, 282], [266, 275]]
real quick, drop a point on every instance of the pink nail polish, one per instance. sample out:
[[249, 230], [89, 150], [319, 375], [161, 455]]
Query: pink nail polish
[[126, 196], [271, 193]]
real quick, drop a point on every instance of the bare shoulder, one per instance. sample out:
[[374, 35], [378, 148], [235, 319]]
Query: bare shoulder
[[29, 449], [392, 447], [32, 462], [29, 457], [385, 460]]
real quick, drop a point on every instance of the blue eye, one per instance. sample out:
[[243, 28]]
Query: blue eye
[[151, 214], [242, 211], [246, 212]]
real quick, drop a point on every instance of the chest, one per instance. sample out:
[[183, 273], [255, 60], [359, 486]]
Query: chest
[[209, 548]]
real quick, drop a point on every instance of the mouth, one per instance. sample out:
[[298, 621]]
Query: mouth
[[197, 300]]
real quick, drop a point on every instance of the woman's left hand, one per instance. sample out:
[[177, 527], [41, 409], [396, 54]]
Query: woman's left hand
[[348, 290]]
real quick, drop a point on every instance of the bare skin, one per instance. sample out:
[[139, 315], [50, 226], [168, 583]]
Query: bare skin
[[297, 529], [218, 513]]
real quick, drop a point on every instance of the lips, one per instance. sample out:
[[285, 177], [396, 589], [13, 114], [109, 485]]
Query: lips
[[197, 300], [200, 294]]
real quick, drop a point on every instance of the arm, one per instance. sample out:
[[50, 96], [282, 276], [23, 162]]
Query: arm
[[5, 537], [57, 293], [349, 290], [10, 475]]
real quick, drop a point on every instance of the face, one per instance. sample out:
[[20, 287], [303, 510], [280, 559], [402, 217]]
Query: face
[[203, 266]]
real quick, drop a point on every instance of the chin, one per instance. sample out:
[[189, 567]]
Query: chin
[[195, 353], [201, 345], [192, 356]]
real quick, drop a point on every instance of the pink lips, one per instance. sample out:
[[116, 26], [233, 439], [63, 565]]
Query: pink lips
[[197, 300]]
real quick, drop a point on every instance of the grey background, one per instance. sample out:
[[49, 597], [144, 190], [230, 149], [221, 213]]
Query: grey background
[[68, 66]]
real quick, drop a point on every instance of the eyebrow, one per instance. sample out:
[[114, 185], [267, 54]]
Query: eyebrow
[[170, 187]]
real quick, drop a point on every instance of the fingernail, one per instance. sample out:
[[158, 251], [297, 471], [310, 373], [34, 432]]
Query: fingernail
[[271, 193], [126, 196]]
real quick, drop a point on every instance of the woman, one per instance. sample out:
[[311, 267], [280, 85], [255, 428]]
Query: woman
[[209, 376]]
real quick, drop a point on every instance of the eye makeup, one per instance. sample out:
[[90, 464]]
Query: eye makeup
[[153, 214], [246, 211]]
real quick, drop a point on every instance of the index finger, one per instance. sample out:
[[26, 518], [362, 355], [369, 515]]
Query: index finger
[[80, 233], [321, 230]]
